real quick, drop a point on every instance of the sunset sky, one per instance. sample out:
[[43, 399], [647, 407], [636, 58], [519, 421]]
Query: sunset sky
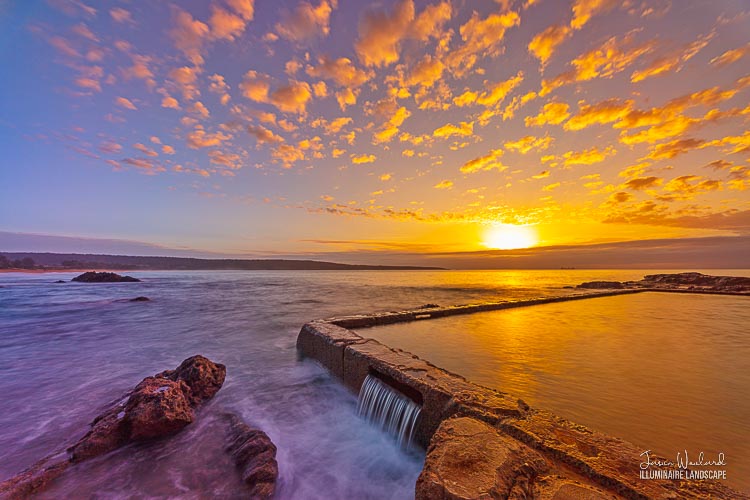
[[272, 127]]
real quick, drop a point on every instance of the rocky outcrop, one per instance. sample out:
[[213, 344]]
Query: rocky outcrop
[[95, 277], [203, 377], [688, 282], [139, 299], [157, 407], [739, 283], [255, 456], [599, 285]]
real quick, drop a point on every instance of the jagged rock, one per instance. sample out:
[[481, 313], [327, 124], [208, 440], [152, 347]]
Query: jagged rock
[[140, 299], [698, 280], [95, 277], [35, 478], [202, 376], [255, 456], [597, 285], [157, 407]]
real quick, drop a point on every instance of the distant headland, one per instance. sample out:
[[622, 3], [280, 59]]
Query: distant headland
[[31, 261]]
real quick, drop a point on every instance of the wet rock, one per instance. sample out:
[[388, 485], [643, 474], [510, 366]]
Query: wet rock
[[35, 478], [255, 456], [157, 407], [203, 377], [598, 285], [469, 459], [95, 277], [140, 299], [699, 280], [60, 281]]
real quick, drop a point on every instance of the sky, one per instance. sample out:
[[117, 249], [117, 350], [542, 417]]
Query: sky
[[406, 128]]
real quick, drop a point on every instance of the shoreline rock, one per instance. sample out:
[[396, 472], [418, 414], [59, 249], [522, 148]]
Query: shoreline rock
[[254, 454], [103, 277], [677, 281], [157, 407]]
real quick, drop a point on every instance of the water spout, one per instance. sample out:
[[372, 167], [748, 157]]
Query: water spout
[[389, 409]]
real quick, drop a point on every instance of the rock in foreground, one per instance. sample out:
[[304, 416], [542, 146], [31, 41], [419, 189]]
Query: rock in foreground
[[95, 277], [255, 456], [158, 406]]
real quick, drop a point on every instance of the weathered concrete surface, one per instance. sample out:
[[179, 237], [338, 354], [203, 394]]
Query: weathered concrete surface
[[470, 459], [580, 463]]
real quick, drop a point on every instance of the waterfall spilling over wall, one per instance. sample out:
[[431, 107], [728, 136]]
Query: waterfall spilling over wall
[[389, 409]]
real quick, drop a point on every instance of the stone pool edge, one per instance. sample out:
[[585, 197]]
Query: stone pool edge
[[513, 449]]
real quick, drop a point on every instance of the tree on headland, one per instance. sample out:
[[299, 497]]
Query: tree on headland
[[25, 263]]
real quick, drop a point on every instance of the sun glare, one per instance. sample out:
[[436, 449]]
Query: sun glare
[[510, 237]]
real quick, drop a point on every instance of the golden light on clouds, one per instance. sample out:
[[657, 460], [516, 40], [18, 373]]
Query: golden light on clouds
[[348, 119]]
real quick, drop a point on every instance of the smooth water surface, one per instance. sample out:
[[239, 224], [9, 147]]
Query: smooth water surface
[[68, 349], [668, 372]]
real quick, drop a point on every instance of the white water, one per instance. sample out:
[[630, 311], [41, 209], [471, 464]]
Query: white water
[[389, 409]]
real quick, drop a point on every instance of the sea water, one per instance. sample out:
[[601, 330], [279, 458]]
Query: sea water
[[68, 349]]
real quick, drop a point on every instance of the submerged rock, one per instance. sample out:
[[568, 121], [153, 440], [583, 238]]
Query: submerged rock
[[157, 407], [140, 299], [254, 454], [60, 281], [95, 277], [596, 285]]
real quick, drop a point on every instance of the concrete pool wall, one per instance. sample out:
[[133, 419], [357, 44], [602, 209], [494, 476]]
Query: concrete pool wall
[[483, 443]]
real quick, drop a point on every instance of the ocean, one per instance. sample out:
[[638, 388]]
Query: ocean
[[68, 349]]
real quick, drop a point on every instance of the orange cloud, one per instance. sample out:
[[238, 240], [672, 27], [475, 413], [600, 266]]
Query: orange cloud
[[543, 45], [731, 56], [125, 103], [426, 72], [553, 113], [198, 138], [305, 21], [529, 143], [602, 112], [189, 36], [245, 8], [120, 15], [341, 70], [381, 33], [361, 159], [489, 161], [584, 10], [225, 25], [640, 183], [673, 61], [588, 156], [612, 57], [443, 185], [448, 130], [263, 135], [480, 37]]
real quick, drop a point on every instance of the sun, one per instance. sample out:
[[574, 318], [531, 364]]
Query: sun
[[510, 237]]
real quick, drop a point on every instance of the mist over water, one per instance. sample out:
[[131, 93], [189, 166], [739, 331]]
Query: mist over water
[[66, 350]]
